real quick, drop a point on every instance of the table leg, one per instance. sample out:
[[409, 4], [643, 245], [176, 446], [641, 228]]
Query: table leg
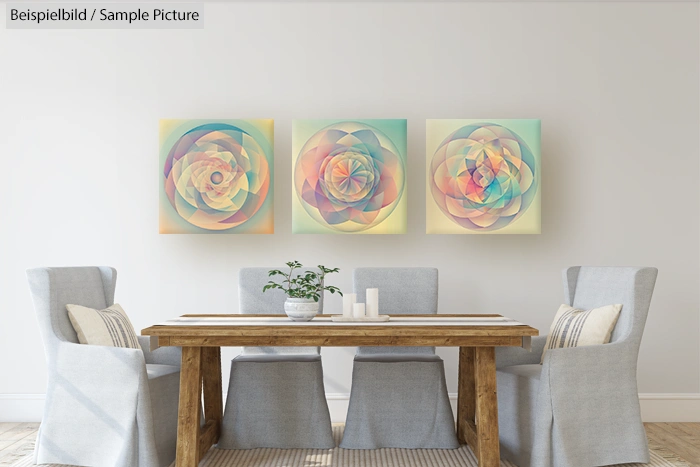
[[213, 400], [477, 405], [466, 398], [486, 407], [190, 407]]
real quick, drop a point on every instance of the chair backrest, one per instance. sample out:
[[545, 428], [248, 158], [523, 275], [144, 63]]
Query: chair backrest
[[253, 301], [54, 288], [588, 287], [404, 291]]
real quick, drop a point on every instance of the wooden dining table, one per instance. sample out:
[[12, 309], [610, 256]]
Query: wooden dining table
[[202, 336]]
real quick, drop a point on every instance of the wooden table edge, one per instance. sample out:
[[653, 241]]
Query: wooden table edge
[[328, 315], [344, 330]]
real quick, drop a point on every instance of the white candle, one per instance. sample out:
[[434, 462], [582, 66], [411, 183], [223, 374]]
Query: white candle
[[358, 310], [349, 300], [372, 303]]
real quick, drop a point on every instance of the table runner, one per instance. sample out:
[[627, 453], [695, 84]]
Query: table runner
[[325, 320]]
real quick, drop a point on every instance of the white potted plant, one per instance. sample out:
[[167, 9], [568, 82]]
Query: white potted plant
[[303, 290]]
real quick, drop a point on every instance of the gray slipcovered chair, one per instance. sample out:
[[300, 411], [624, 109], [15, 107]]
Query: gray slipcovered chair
[[399, 396], [276, 396], [105, 406], [580, 408]]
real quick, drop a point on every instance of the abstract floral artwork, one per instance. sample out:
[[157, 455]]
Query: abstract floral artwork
[[483, 176], [216, 176], [349, 176]]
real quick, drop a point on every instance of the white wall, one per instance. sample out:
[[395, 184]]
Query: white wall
[[615, 84]]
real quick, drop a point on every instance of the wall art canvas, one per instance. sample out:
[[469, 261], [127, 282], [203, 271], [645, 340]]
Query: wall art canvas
[[216, 176], [349, 176], [483, 176]]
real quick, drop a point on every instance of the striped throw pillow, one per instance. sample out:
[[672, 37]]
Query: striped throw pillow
[[573, 327], [110, 327]]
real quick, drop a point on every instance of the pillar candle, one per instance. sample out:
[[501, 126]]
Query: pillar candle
[[372, 303], [358, 310], [349, 300]]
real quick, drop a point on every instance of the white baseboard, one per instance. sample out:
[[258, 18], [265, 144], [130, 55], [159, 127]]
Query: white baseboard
[[656, 407], [674, 407], [21, 407], [338, 406]]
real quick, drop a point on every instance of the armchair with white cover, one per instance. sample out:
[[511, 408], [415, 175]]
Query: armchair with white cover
[[105, 406]]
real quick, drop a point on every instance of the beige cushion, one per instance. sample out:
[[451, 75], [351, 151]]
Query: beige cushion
[[110, 327], [573, 327]]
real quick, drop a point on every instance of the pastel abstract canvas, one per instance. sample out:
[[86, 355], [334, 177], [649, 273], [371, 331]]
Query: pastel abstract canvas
[[483, 176], [216, 176], [349, 176]]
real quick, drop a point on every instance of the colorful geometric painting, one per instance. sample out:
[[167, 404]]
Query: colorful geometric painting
[[349, 176], [216, 176], [483, 177]]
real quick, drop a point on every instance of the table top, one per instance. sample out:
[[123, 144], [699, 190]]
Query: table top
[[280, 325]]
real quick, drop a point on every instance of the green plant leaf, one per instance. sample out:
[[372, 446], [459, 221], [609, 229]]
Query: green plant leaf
[[308, 284]]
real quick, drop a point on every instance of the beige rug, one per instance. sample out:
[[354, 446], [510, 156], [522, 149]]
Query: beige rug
[[462, 457]]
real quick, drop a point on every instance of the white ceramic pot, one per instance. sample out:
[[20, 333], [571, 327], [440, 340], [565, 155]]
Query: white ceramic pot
[[300, 309]]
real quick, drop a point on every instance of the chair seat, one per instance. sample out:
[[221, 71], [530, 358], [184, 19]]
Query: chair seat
[[393, 358], [399, 401], [401, 350], [156, 370], [523, 371], [275, 358], [276, 401]]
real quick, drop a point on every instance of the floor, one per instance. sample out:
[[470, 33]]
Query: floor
[[682, 439]]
